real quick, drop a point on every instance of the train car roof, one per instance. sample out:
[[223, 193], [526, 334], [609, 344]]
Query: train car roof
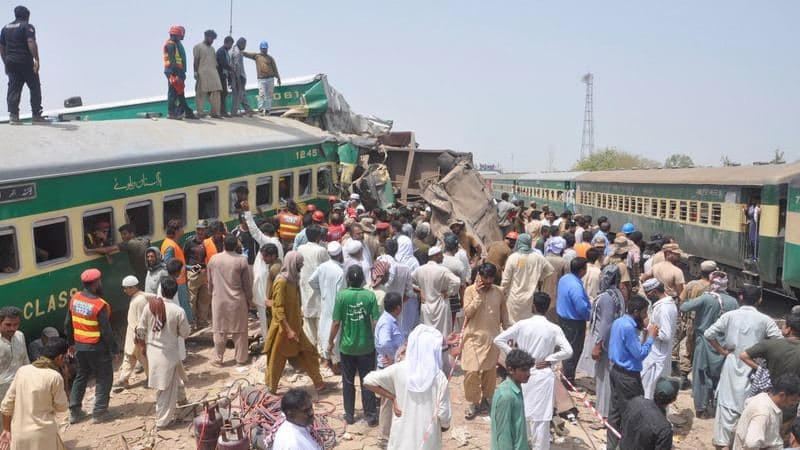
[[62, 148], [738, 175], [543, 176]]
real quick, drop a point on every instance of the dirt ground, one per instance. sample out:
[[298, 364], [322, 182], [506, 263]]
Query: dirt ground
[[135, 408]]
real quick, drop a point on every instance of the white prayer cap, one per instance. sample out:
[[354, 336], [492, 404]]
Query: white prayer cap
[[334, 248], [355, 196], [435, 250], [130, 281], [352, 246]]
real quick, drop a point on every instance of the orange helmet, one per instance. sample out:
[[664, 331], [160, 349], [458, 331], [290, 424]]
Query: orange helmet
[[318, 216], [177, 30], [513, 235]]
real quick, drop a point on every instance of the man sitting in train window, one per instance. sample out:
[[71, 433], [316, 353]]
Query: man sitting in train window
[[239, 195], [99, 236], [8, 255]]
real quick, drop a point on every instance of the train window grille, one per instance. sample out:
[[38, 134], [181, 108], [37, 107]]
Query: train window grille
[[93, 221], [9, 256], [174, 208], [238, 192], [51, 241], [264, 191], [304, 181], [639, 205], [683, 211], [140, 214], [662, 209], [653, 207], [716, 214], [704, 212], [285, 186], [208, 203], [673, 209], [693, 212]]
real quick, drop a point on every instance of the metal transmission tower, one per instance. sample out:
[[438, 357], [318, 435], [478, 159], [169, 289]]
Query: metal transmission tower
[[587, 141]]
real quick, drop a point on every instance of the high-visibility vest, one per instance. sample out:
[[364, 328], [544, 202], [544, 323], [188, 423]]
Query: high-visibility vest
[[84, 311], [288, 225], [211, 248], [177, 253], [179, 55]]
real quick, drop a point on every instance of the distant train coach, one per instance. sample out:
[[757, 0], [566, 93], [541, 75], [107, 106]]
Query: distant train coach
[[746, 218]]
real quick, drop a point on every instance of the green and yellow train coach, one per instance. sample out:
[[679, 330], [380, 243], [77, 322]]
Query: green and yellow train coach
[[708, 210], [58, 181]]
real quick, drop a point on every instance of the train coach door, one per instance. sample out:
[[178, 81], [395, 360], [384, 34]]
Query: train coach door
[[791, 253]]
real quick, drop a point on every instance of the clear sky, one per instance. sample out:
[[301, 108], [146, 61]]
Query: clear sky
[[497, 79]]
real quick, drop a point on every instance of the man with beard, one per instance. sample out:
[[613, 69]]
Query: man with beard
[[295, 430], [665, 315], [88, 328], [626, 353], [156, 270]]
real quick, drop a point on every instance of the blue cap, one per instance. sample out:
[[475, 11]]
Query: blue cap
[[628, 228], [263, 45]]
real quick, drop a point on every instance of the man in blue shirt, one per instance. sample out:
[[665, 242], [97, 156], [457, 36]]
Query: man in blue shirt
[[574, 310], [388, 339], [626, 353]]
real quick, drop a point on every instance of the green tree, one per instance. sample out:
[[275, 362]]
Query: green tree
[[613, 159], [678, 161], [778, 158]]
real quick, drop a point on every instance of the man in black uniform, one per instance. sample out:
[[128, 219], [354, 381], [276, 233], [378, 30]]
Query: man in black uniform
[[224, 70], [20, 55]]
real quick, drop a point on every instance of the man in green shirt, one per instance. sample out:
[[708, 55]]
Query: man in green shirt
[[355, 313], [509, 429]]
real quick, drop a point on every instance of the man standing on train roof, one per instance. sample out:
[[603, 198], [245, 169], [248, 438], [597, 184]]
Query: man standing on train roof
[[289, 221], [88, 328], [175, 71], [20, 54], [238, 78], [207, 86], [267, 72], [12, 346], [224, 72]]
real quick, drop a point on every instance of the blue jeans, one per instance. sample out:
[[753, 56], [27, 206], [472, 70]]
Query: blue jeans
[[265, 88]]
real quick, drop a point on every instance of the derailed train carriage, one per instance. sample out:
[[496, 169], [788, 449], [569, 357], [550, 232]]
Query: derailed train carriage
[[746, 218]]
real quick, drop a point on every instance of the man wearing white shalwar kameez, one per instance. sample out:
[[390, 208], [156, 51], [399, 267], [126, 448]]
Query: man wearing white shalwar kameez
[[163, 324], [326, 281], [418, 389], [266, 267], [434, 281], [259, 235], [546, 343], [665, 315], [734, 332], [313, 255]]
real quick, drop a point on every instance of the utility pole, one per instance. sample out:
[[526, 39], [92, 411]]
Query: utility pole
[[587, 140], [230, 21]]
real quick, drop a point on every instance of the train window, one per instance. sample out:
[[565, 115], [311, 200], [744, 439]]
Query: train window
[[208, 203], [140, 214], [626, 204], [653, 207], [703, 212], [238, 194], [174, 208], [285, 187], [693, 211], [98, 230], [662, 209], [716, 214], [325, 180], [51, 240], [639, 205], [683, 211], [9, 259], [264, 192], [304, 180]]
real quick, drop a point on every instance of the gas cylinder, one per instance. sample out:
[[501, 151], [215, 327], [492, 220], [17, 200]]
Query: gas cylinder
[[207, 427], [231, 437]]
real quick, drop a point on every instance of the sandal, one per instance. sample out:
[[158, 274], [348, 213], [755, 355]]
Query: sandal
[[471, 412]]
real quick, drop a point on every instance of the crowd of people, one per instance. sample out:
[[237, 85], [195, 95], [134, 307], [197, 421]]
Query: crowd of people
[[387, 296]]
